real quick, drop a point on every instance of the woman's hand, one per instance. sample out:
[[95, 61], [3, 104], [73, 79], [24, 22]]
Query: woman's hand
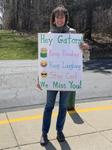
[[38, 85], [85, 50], [84, 47]]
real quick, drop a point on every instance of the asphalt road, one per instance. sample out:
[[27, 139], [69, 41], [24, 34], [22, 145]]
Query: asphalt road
[[18, 83]]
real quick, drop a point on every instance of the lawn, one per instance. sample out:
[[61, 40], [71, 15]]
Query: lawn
[[14, 46]]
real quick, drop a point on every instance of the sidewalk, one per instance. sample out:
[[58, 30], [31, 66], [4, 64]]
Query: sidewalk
[[90, 128]]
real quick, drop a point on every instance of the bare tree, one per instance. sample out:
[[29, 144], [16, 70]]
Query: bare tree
[[34, 15]]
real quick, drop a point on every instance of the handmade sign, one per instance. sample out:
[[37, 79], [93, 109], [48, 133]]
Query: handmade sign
[[60, 61]]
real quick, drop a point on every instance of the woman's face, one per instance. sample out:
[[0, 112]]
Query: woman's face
[[59, 20]]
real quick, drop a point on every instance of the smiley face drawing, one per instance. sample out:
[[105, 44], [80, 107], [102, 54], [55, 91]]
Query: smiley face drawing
[[43, 63], [43, 52], [44, 74]]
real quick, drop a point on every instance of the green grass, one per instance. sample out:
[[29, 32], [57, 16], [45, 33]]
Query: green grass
[[14, 46]]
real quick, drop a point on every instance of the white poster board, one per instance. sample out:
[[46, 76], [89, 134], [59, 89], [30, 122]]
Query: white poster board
[[60, 61]]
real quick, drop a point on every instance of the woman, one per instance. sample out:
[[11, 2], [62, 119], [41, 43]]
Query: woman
[[58, 24]]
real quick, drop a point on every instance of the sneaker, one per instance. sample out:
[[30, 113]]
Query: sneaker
[[60, 137], [44, 140]]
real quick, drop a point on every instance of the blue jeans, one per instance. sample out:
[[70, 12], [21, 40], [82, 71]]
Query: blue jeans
[[51, 97]]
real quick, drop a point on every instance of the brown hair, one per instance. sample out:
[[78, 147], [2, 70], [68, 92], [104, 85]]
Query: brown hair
[[59, 10]]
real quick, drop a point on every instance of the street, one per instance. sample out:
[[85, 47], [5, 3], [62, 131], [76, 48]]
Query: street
[[18, 83]]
